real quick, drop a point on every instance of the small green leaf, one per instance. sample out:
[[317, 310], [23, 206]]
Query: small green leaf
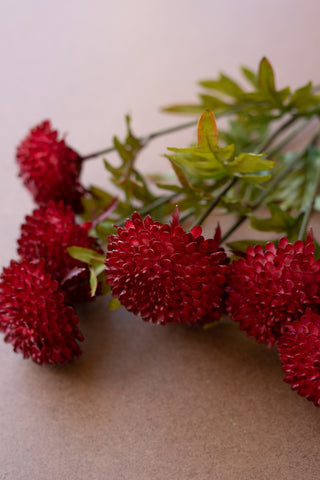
[[242, 245], [207, 131], [93, 282], [255, 179], [250, 76], [86, 255], [185, 109], [266, 76], [303, 98], [224, 85], [280, 221], [235, 206], [250, 162], [214, 103], [114, 304]]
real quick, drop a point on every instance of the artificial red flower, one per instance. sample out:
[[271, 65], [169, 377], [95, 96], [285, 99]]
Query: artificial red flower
[[34, 317], [165, 274], [299, 351], [271, 287], [46, 235], [49, 168]]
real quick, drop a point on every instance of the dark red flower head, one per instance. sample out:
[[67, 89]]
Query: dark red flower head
[[34, 317], [49, 168], [299, 351], [165, 274], [46, 235], [273, 286]]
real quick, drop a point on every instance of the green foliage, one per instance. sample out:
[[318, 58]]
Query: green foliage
[[228, 170], [280, 221], [95, 262], [114, 304], [241, 246], [253, 107], [209, 162]]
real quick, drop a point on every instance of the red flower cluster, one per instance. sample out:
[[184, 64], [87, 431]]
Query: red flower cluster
[[34, 317], [49, 168], [46, 235], [165, 274], [271, 287], [299, 351], [36, 293]]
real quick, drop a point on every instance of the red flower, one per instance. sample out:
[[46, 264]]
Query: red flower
[[299, 351], [165, 274], [49, 168], [273, 286], [33, 315], [46, 235]]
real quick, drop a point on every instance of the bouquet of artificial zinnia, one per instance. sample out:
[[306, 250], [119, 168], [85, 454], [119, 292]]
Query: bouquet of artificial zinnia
[[146, 249]]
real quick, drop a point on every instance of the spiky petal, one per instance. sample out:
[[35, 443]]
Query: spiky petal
[[34, 317], [49, 168], [273, 286], [46, 235], [299, 352], [165, 274]]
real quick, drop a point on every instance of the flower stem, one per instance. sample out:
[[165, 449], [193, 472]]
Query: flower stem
[[277, 132], [145, 139], [308, 208], [268, 141], [272, 185], [215, 202], [151, 136], [152, 206]]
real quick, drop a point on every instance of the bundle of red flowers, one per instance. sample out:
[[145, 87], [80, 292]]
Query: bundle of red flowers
[[157, 269]]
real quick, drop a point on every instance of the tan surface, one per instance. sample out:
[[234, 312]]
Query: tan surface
[[143, 402]]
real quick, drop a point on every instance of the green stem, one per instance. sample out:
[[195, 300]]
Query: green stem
[[287, 139], [157, 203], [308, 208], [146, 139], [151, 136], [268, 141], [272, 185], [215, 202], [281, 129]]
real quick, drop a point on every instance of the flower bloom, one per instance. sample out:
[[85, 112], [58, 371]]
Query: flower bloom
[[299, 352], [271, 287], [34, 317], [46, 235], [49, 168], [165, 274]]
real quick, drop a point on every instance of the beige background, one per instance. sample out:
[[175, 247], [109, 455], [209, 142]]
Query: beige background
[[143, 402]]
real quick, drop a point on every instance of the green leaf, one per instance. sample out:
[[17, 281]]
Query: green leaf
[[93, 282], [266, 76], [207, 131], [250, 76], [235, 206], [303, 98], [86, 255], [187, 109], [250, 162], [214, 103], [280, 221], [224, 85], [255, 179], [242, 245], [114, 304]]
